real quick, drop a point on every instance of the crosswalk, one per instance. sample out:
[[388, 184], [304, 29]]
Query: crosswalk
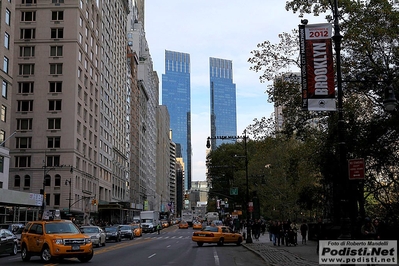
[[156, 236]]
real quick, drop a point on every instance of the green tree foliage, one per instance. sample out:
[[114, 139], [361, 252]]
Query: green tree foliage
[[370, 59]]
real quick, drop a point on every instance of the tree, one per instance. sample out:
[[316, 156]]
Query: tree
[[369, 65]]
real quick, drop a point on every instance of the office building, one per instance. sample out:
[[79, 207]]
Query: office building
[[223, 101], [176, 96]]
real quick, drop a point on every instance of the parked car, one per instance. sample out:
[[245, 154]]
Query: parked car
[[137, 229], [97, 235], [8, 242], [112, 233], [216, 234], [18, 234], [126, 231]]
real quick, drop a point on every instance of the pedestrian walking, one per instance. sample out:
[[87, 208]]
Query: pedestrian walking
[[304, 230], [159, 226]]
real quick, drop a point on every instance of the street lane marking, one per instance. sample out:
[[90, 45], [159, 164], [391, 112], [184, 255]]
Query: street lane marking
[[215, 255], [152, 255]]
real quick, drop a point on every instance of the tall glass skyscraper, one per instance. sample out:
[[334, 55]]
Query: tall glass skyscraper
[[176, 96], [223, 100]]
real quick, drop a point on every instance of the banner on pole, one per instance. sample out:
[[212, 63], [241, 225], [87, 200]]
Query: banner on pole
[[317, 67]]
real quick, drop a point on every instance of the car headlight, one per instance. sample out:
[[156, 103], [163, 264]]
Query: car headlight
[[94, 237], [87, 240], [59, 241]]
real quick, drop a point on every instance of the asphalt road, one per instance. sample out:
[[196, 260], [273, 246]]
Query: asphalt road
[[172, 247]]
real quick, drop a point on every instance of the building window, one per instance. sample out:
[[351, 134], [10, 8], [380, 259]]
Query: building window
[[57, 1], [22, 161], [1, 164], [26, 69], [17, 181], [8, 17], [3, 113], [23, 142], [57, 199], [53, 160], [28, 1], [27, 181], [55, 86], [57, 180], [55, 50], [24, 124], [47, 198], [27, 33], [4, 89], [54, 105], [57, 33], [27, 51], [28, 16], [25, 106], [5, 64], [7, 40], [57, 15], [54, 123], [55, 69], [2, 136], [25, 87], [53, 142]]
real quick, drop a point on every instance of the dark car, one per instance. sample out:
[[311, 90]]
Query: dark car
[[127, 231], [8, 242], [112, 233]]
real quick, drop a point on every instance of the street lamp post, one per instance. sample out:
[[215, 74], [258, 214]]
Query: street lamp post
[[69, 181], [248, 239]]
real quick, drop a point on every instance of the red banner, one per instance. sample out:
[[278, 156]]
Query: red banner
[[317, 67]]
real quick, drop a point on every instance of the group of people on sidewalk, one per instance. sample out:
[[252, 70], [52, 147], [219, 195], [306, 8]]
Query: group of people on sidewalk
[[286, 232]]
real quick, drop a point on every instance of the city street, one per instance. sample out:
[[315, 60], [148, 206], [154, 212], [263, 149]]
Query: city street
[[172, 247]]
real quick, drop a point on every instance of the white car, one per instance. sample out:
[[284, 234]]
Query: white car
[[96, 234]]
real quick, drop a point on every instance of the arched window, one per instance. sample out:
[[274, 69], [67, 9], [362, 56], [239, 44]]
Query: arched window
[[57, 180]]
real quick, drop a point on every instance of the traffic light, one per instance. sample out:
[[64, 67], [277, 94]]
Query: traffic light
[[186, 196]]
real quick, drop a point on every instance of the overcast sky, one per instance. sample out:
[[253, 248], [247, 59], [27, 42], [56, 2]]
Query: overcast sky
[[227, 29]]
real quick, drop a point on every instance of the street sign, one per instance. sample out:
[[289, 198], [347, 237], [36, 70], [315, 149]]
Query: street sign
[[250, 206], [234, 191], [356, 169]]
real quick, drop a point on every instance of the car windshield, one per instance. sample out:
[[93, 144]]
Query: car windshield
[[210, 229], [135, 226], [125, 227], [90, 229], [110, 229], [56, 228]]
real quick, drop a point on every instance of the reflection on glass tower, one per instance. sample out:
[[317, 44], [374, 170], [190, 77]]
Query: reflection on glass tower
[[176, 96], [223, 100]]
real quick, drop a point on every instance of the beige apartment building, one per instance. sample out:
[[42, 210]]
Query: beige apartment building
[[70, 104]]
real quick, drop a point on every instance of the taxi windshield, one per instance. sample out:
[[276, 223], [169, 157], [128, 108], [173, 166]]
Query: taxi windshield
[[56, 228]]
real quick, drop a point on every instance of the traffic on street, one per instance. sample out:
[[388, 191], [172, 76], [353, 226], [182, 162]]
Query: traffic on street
[[172, 246]]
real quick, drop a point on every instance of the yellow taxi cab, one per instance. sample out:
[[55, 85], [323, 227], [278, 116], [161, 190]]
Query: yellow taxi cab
[[183, 225], [137, 229], [165, 223], [197, 225], [53, 238], [216, 234]]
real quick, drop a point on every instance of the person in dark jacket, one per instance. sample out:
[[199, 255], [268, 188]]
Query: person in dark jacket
[[304, 230]]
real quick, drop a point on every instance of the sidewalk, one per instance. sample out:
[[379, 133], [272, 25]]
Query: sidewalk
[[301, 255]]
